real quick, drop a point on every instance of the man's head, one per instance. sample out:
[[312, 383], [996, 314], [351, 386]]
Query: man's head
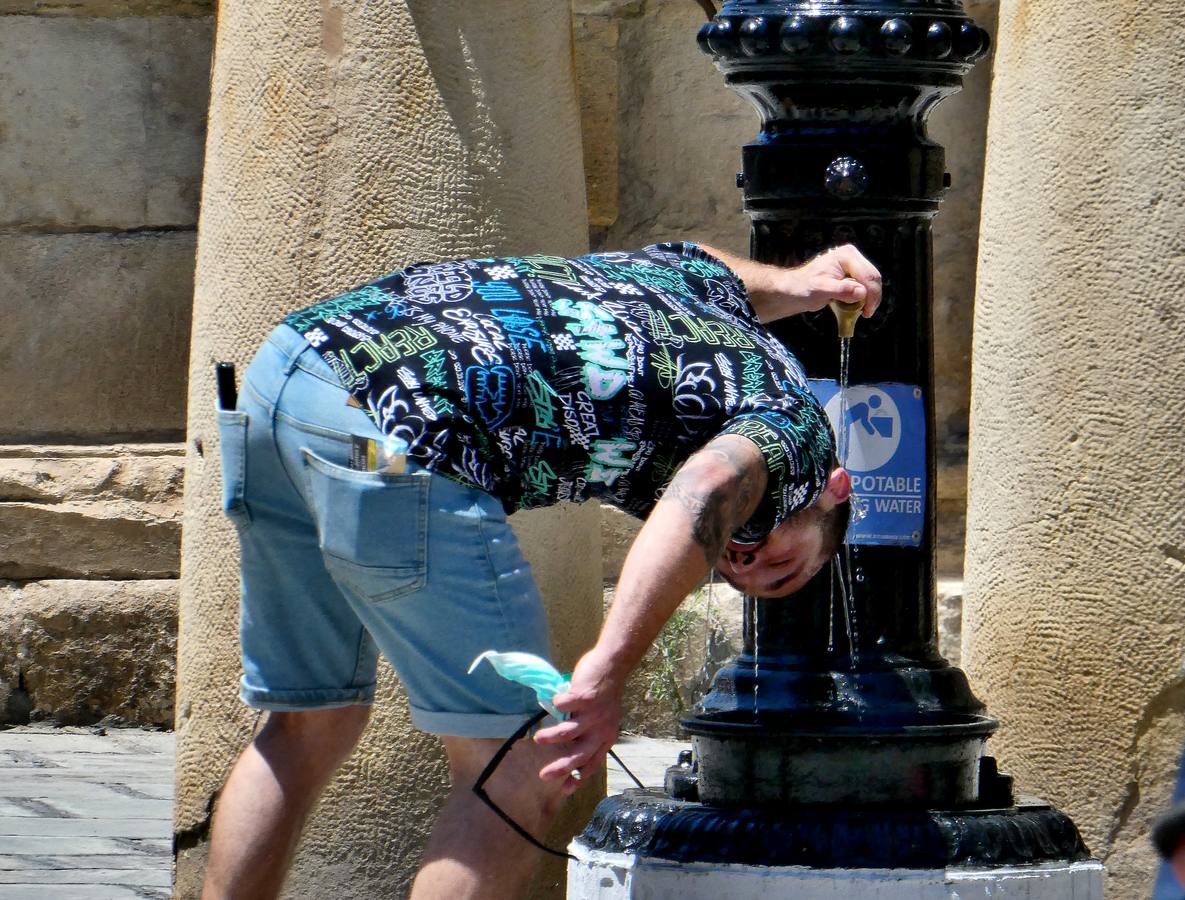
[[794, 551]]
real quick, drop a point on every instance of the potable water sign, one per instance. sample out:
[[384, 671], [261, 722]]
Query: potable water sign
[[886, 445]]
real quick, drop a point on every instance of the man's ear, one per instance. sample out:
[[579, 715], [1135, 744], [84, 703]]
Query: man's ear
[[839, 486]]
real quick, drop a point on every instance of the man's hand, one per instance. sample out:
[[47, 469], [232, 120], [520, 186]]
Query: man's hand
[[842, 273], [593, 703]]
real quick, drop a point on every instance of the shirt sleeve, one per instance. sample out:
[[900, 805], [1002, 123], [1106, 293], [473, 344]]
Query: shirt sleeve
[[709, 278], [795, 439]]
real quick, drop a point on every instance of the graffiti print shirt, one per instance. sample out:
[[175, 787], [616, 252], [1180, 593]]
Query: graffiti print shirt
[[541, 379]]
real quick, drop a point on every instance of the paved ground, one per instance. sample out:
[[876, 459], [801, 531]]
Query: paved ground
[[87, 814]]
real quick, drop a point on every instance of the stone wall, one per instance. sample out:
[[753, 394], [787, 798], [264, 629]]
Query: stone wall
[[100, 162]]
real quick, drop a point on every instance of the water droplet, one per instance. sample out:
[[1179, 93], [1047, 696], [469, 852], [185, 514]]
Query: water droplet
[[860, 577]]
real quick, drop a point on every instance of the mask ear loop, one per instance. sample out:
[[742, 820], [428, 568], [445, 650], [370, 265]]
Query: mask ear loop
[[496, 760]]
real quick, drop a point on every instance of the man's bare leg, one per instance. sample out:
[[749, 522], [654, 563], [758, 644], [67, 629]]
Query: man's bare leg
[[268, 795], [472, 854]]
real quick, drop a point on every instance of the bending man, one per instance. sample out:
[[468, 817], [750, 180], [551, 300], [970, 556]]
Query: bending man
[[644, 379]]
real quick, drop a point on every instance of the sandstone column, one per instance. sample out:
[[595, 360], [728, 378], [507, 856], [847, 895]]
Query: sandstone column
[[347, 139], [1075, 626]]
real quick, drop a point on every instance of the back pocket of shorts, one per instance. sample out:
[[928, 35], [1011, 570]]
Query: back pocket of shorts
[[232, 441], [373, 527]]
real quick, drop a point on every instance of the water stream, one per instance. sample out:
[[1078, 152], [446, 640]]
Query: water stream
[[842, 564], [756, 654]]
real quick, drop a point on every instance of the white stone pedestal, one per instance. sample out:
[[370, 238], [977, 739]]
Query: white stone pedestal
[[598, 875]]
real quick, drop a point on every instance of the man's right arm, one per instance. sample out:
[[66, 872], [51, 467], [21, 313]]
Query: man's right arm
[[712, 494], [842, 273]]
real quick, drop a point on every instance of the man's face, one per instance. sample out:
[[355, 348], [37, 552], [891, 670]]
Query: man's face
[[782, 563]]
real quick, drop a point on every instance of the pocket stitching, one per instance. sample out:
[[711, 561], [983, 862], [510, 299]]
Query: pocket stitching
[[419, 569], [236, 509]]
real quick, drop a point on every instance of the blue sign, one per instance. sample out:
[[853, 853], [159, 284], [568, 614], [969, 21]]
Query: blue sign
[[886, 457]]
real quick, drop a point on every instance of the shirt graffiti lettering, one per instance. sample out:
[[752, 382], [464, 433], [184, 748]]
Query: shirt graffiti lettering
[[608, 461], [693, 393], [436, 380], [663, 278], [498, 292], [540, 394], [491, 393], [580, 418], [724, 365], [442, 283], [520, 327], [482, 332], [391, 347], [538, 479], [355, 300], [604, 370], [549, 268], [752, 373], [679, 328]]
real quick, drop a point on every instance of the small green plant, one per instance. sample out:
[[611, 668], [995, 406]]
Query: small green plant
[[663, 680]]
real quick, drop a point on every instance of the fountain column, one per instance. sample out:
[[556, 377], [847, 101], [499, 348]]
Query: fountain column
[[1074, 625], [839, 754]]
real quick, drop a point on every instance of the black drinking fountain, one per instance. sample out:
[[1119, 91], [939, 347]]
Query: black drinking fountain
[[839, 754]]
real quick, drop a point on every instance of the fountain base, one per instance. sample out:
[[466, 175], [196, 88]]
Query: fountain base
[[645, 844], [600, 875]]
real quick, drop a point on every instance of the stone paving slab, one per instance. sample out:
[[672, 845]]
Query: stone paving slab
[[85, 813], [83, 892], [647, 758]]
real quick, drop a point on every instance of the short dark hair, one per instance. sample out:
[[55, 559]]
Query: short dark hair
[[834, 524]]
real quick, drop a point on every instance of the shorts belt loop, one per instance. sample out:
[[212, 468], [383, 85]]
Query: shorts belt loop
[[293, 358]]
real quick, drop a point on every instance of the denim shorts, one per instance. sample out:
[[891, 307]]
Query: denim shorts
[[339, 565]]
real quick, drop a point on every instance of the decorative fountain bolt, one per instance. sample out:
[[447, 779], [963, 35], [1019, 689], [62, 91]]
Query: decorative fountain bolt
[[839, 738]]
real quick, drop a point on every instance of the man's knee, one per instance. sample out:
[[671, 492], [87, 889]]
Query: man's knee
[[321, 737]]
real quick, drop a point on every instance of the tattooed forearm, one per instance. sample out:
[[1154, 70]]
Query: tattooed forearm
[[716, 505]]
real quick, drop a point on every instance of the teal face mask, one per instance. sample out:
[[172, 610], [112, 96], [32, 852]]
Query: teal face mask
[[530, 671]]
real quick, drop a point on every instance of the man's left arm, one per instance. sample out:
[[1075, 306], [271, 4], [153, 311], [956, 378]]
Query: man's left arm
[[842, 273], [712, 494]]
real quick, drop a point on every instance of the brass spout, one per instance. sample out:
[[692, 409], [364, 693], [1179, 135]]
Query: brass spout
[[846, 315]]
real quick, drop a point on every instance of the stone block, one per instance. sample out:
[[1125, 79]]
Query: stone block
[[107, 8], [111, 117], [87, 540], [96, 335], [114, 514], [680, 132], [151, 474], [596, 59], [83, 650]]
